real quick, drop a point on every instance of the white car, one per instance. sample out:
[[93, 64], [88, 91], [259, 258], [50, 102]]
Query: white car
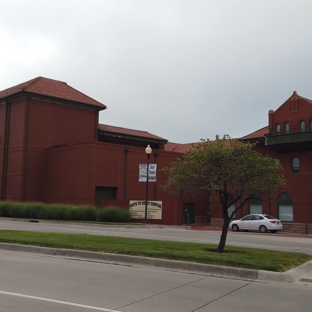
[[257, 222]]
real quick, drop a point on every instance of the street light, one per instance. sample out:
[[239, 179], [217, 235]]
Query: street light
[[148, 152]]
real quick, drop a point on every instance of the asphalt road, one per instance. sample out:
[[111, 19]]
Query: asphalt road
[[245, 239], [36, 283]]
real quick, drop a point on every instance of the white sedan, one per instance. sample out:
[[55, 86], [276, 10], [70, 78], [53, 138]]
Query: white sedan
[[257, 222]]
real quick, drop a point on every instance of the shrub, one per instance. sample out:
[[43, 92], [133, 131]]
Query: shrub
[[63, 212], [113, 214], [4, 209], [81, 213]]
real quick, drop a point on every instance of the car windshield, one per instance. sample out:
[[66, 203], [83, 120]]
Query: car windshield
[[269, 217]]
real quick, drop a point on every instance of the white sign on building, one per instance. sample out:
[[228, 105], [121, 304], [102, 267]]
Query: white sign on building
[[151, 172], [137, 209]]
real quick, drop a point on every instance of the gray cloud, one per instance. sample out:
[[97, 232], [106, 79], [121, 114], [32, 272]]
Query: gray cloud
[[183, 70]]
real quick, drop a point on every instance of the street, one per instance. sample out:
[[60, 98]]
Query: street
[[244, 239], [36, 282], [33, 283]]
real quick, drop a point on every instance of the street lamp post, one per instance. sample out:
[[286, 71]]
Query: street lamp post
[[148, 152]]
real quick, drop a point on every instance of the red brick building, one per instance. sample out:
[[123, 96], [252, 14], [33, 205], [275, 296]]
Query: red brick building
[[288, 139], [53, 150]]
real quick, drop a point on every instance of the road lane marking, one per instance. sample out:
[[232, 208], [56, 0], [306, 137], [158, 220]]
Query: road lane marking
[[58, 301]]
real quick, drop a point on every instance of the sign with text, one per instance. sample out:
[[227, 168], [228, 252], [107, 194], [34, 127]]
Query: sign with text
[[137, 209], [151, 172]]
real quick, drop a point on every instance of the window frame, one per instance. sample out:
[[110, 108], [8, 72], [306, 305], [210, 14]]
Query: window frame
[[294, 168], [255, 202], [302, 126], [232, 207], [287, 201], [286, 127]]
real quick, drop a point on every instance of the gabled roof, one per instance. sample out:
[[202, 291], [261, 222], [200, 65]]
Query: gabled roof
[[295, 96], [130, 132], [52, 88], [257, 134]]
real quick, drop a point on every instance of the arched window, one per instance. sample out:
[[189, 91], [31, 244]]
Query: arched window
[[286, 127], [310, 124], [285, 207], [302, 126], [295, 164], [255, 205], [278, 128]]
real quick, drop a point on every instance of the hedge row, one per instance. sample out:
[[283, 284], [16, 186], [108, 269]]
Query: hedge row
[[63, 212]]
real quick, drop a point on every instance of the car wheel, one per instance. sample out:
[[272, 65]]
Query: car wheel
[[274, 231], [235, 228], [262, 229]]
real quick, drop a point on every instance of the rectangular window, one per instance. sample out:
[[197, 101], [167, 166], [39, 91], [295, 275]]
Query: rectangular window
[[255, 209], [230, 210], [285, 213], [209, 203]]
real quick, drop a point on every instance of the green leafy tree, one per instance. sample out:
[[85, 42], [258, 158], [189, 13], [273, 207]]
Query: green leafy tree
[[230, 168]]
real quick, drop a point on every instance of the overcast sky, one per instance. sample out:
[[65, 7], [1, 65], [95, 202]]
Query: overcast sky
[[180, 69]]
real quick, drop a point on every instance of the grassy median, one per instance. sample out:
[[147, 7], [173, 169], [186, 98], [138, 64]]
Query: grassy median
[[251, 258]]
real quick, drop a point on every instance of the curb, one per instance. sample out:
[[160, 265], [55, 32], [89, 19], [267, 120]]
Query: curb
[[293, 275], [211, 270]]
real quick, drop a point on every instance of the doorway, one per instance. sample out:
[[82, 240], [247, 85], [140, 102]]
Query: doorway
[[188, 214], [102, 192]]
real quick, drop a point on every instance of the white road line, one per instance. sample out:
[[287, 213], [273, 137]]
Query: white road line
[[58, 301]]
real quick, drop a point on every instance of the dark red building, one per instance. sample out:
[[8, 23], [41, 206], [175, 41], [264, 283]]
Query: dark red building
[[288, 138], [53, 150]]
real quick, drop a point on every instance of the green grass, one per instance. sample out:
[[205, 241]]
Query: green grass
[[251, 258]]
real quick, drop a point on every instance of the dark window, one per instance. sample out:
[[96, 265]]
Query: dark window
[[104, 193], [247, 218], [255, 205], [302, 126], [310, 124], [295, 164], [209, 203], [278, 128], [285, 207], [286, 127], [232, 207], [257, 218]]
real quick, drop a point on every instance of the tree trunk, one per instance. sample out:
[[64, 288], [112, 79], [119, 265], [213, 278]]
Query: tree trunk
[[225, 227]]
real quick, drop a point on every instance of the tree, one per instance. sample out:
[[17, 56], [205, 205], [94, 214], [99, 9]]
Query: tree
[[230, 168]]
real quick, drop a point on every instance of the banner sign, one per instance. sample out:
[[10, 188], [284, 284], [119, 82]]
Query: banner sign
[[137, 209], [151, 173]]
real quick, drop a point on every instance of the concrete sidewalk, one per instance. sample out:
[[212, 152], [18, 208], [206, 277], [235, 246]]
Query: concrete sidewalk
[[299, 274]]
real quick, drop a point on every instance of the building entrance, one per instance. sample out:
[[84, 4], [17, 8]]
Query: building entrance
[[188, 213]]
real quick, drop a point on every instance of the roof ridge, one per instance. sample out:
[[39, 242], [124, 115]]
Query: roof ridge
[[295, 94], [31, 82], [124, 128], [258, 130], [51, 88]]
